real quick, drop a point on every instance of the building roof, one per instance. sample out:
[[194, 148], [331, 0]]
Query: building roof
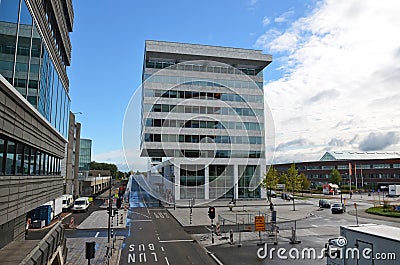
[[344, 155]]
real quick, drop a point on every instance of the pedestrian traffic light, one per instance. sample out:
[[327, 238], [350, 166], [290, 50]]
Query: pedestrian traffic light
[[211, 212], [119, 202]]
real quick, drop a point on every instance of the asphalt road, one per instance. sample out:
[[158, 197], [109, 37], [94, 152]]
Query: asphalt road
[[155, 237]]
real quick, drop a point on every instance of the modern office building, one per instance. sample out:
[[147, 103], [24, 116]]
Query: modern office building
[[85, 154], [70, 164], [369, 170], [35, 50], [203, 118]]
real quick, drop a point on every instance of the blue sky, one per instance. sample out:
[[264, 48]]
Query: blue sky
[[322, 50]]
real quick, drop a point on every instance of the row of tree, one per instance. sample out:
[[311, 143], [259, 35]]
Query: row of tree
[[108, 166], [293, 181]]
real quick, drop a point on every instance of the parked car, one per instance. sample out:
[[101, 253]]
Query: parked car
[[81, 204], [338, 208], [287, 196], [324, 203], [271, 193]]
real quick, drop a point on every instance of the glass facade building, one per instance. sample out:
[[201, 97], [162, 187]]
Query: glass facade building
[[85, 154], [35, 51], [27, 64], [203, 113]]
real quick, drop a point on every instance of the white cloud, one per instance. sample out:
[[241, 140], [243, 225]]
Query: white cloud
[[266, 21], [341, 77], [284, 17]]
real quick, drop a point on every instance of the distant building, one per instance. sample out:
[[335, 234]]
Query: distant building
[[35, 51], [70, 164], [85, 154], [364, 169], [203, 118]]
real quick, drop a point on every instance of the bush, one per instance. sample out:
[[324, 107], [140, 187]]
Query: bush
[[383, 211]]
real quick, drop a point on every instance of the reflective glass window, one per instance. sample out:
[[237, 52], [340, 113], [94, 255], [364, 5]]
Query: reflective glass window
[[2, 155], [38, 163], [26, 160], [10, 158], [32, 161]]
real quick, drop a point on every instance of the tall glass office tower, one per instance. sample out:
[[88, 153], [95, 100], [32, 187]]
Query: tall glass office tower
[[203, 122], [35, 51]]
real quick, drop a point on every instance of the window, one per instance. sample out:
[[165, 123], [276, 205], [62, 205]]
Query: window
[[2, 156], [10, 158]]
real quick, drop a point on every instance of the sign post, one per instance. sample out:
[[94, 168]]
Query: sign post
[[259, 222]]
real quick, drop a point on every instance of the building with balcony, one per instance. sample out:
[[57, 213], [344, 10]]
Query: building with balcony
[[203, 118], [35, 51]]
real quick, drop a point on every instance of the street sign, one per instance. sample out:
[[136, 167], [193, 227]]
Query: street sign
[[259, 223]]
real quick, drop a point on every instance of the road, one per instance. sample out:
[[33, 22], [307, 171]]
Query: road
[[155, 237], [313, 232]]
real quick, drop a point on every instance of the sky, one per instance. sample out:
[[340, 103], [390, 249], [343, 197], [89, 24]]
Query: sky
[[333, 84]]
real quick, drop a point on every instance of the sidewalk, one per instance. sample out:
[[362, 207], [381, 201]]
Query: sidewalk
[[76, 250]]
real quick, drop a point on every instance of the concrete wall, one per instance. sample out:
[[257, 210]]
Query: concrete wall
[[20, 121]]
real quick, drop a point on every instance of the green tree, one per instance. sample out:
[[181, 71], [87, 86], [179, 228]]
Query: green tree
[[335, 177], [270, 181], [104, 166], [293, 179], [305, 183]]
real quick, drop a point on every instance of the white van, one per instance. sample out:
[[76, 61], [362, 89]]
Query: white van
[[67, 202], [81, 204]]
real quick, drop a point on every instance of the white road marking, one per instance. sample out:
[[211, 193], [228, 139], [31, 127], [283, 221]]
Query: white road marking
[[145, 220], [158, 238], [166, 260], [162, 248], [97, 234], [314, 225], [176, 240]]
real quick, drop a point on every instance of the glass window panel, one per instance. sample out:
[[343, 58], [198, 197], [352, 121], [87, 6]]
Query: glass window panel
[[32, 161], [2, 155], [38, 161], [10, 158], [26, 160], [9, 11]]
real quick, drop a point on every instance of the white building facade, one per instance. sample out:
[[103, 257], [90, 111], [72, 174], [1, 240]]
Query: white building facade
[[203, 119]]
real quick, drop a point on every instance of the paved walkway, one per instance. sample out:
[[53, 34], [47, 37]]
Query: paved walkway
[[76, 251], [99, 219]]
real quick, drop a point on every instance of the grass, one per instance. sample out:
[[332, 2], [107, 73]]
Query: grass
[[382, 211]]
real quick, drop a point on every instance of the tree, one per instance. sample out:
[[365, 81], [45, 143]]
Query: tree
[[293, 179], [104, 166], [335, 177], [305, 183], [270, 181]]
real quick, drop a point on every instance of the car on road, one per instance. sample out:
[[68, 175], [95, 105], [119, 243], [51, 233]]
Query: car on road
[[81, 204], [287, 196], [271, 193], [324, 204], [338, 208]]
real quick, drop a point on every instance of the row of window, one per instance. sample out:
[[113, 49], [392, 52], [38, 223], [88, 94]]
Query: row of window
[[19, 159], [202, 110], [252, 126], [196, 81], [372, 176], [358, 166], [203, 95], [219, 154], [149, 137], [157, 64]]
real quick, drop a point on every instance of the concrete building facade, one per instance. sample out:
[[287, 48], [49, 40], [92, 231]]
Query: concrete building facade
[[35, 50], [203, 118]]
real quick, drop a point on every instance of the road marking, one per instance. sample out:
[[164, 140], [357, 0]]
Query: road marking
[[166, 260], [176, 240], [141, 214], [97, 234], [158, 238], [314, 225], [162, 248], [145, 220]]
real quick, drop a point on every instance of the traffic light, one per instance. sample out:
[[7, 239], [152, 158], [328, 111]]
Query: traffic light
[[119, 202], [211, 212]]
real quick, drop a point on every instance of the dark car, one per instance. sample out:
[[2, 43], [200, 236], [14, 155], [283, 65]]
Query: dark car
[[324, 203], [338, 208], [287, 196]]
